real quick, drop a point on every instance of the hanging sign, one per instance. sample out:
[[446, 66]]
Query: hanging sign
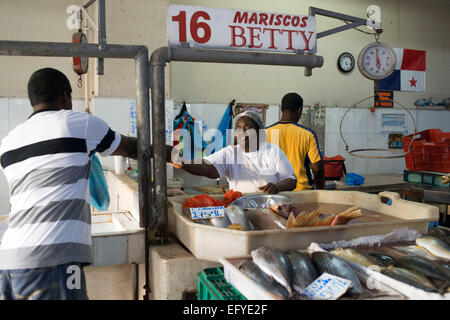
[[240, 29]]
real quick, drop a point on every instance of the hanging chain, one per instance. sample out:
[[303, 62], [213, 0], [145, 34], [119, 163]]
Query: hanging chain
[[80, 82]]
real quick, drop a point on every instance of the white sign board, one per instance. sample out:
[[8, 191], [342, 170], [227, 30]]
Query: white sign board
[[240, 29], [207, 212], [327, 287]]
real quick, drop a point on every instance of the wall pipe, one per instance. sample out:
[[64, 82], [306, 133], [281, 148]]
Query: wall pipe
[[158, 60], [140, 55]]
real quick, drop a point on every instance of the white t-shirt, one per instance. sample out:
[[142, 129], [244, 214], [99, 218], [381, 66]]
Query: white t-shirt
[[246, 172]]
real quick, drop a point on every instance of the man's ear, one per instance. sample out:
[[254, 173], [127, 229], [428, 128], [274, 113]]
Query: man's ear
[[299, 113], [67, 100]]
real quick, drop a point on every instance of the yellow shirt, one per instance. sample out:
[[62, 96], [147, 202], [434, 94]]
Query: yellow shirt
[[301, 146]]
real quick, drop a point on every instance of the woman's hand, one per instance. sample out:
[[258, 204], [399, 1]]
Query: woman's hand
[[270, 188]]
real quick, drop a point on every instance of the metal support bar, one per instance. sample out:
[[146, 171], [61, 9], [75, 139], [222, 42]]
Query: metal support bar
[[331, 14], [339, 29], [244, 57], [88, 4], [63, 49], [140, 55], [158, 60], [157, 64], [101, 34], [356, 22]]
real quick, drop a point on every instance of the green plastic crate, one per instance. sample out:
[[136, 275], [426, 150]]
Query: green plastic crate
[[213, 286]]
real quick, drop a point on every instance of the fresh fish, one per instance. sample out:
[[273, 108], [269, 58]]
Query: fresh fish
[[416, 250], [355, 255], [221, 222], [304, 271], [410, 277], [284, 210], [275, 264], [391, 252], [237, 216], [383, 260], [326, 262], [424, 266], [436, 246], [260, 278], [440, 234]]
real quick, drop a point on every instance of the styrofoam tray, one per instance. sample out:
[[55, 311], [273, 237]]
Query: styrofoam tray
[[252, 291], [212, 243]]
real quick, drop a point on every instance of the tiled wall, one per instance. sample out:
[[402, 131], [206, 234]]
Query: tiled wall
[[362, 128]]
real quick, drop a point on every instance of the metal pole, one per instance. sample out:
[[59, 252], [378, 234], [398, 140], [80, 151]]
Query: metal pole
[[144, 156], [244, 57], [101, 33], [63, 49], [88, 4], [140, 55], [157, 64], [158, 61]]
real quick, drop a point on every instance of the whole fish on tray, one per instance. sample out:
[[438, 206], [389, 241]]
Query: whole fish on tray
[[410, 277], [425, 267], [237, 216], [263, 280], [326, 262], [417, 251], [356, 256], [276, 264], [440, 234], [382, 259], [434, 245], [304, 271]]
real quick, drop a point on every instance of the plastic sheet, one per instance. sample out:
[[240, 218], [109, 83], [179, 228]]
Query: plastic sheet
[[99, 194], [398, 235]]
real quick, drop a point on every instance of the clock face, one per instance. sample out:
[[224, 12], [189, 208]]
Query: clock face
[[376, 61], [346, 62]]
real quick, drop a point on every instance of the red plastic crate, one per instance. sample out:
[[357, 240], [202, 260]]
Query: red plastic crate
[[430, 151]]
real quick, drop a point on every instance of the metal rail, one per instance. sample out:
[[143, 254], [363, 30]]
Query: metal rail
[[140, 56], [158, 61]]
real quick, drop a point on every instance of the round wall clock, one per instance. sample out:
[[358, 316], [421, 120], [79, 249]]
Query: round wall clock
[[377, 60], [346, 62]]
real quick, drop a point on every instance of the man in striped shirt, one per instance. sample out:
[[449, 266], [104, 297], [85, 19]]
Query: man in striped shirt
[[46, 161]]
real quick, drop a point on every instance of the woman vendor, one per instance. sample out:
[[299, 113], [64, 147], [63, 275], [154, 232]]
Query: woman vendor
[[251, 164]]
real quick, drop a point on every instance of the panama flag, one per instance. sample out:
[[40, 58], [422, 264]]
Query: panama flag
[[409, 73]]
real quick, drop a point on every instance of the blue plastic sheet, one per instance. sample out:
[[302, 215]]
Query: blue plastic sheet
[[353, 179], [99, 194]]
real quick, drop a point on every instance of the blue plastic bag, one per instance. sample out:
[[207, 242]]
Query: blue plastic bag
[[99, 194], [353, 179]]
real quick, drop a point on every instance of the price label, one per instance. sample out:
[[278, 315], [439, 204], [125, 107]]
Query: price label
[[207, 212], [327, 287], [240, 29]]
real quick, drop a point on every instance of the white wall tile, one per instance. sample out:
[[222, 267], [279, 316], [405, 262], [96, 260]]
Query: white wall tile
[[19, 111], [99, 109], [118, 114], [5, 207], [332, 120], [4, 114]]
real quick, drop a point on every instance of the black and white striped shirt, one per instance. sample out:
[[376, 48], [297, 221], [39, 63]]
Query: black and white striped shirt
[[46, 161]]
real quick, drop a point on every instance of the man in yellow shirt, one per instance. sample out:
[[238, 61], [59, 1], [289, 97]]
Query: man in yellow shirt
[[300, 144]]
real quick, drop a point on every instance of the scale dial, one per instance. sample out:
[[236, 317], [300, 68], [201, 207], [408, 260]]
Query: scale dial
[[80, 64], [377, 61]]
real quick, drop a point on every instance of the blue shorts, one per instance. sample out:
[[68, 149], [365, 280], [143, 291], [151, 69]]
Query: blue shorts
[[61, 282]]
